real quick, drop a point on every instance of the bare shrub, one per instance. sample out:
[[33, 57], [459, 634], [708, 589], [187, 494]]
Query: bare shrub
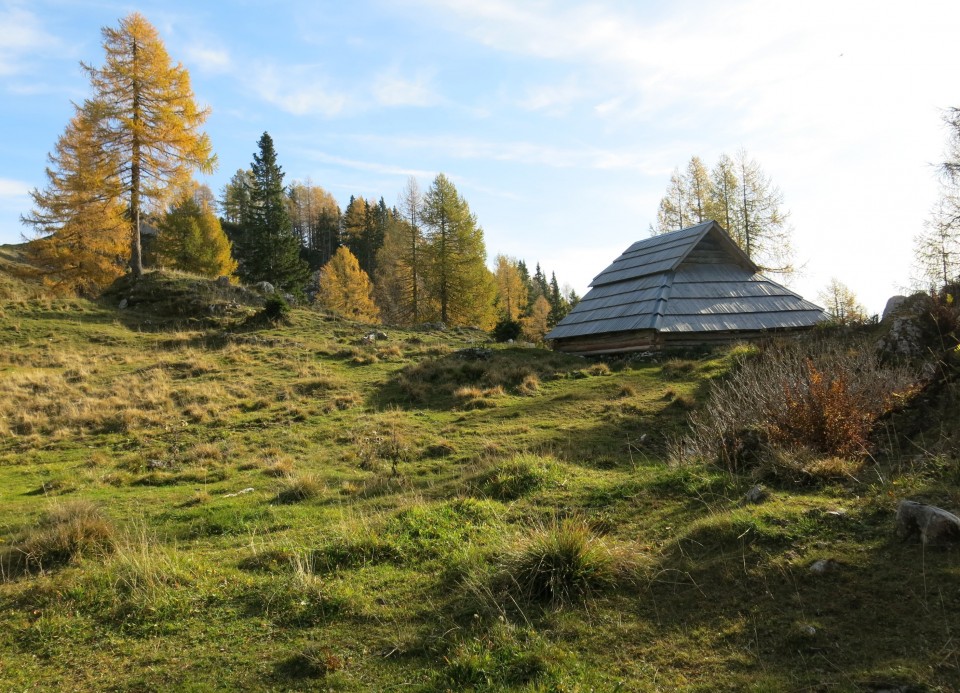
[[825, 397]]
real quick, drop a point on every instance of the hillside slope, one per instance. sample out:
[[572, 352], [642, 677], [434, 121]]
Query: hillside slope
[[333, 506]]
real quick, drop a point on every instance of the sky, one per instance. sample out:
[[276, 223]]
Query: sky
[[559, 122]]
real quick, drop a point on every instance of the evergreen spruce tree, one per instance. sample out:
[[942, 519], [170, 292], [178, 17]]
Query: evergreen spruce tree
[[267, 246], [559, 307]]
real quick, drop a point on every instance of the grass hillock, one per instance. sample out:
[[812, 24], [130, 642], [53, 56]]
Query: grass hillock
[[19, 281], [219, 503]]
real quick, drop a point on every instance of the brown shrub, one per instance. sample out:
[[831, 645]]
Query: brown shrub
[[826, 397]]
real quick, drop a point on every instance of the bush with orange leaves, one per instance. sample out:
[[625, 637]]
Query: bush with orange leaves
[[825, 397]]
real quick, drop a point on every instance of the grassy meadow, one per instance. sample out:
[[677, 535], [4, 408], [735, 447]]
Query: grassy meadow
[[191, 503]]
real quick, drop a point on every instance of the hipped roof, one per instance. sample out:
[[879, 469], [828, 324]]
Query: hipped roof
[[693, 280]]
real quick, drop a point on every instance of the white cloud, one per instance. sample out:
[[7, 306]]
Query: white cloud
[[21, 37], [299, 90], [208, 58], [13, 189], [555, 99], [528, 153], [392, 89], [369, 166]]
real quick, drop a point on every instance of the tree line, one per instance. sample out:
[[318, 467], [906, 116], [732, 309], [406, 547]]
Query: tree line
[[738, 195], [421, 260], [937, 246], [120, 193]]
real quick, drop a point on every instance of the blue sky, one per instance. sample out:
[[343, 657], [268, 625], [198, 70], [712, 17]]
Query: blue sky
[[560, 122]]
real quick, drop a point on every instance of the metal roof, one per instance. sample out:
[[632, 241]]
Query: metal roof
[[693, 280]]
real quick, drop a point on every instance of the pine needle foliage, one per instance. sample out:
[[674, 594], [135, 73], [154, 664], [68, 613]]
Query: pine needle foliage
[[267, 247]]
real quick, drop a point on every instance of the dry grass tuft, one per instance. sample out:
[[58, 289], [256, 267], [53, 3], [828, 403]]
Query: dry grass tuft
[[599, 369], [64, 534], [299, 487], [529, 386], [563, 562], [279, 466]]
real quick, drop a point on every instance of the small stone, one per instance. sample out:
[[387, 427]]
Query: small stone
[[823, 566], [931, 524], [239, 493], [757, 494], [123, 303]]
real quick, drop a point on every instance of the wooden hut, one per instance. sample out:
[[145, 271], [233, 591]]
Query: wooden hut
[[685, 288]]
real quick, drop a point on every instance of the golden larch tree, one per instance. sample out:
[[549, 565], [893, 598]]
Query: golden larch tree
[[79, 229], [536, 324], [511, 289], [149, 120], [345, 289]]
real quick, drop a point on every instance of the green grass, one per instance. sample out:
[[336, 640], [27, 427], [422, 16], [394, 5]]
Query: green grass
[[286, 506]]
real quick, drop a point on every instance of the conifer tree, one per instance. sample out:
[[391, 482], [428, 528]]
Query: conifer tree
[[537, 323], [559, 306], [355, 226], [741, 198], [408, 262], [235, 197], [80, 231], [456, 274], [399, 283], [511, 289], [723, 191], [842, 304], [345, 289], [670, 214], [698, 192], [148, 120], [267, 247], [937, 247], [190, 238], [315, 216]]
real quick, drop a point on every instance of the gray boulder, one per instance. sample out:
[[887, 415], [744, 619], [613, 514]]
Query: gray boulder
[[265, 288], [931, 524], [893, 303], [904, 339]]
